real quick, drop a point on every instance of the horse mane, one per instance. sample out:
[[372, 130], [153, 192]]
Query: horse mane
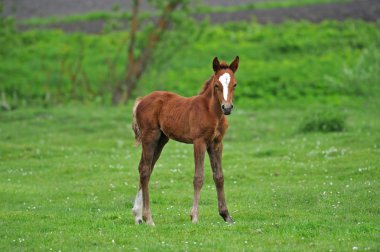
[[223, 65], [206, 85]]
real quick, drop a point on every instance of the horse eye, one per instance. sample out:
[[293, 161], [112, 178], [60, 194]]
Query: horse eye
[[235, 86]]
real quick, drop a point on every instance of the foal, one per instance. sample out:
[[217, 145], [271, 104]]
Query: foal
[[199, 120]]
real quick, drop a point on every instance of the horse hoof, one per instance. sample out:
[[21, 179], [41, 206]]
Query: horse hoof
[[140, 221], [229, 220], [193, 219], [151, 223]]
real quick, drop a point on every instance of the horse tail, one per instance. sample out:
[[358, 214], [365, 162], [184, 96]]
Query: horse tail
[[135, 125]]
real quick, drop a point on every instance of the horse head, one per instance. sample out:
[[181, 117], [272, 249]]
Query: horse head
[[225, 83]]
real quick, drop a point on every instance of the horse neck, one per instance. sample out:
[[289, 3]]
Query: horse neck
[[213, 102]]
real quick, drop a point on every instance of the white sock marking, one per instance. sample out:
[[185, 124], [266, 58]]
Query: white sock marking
[[137, 207], [225, 80]]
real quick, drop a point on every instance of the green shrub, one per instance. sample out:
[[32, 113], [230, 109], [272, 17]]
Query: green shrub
[[324, 120]]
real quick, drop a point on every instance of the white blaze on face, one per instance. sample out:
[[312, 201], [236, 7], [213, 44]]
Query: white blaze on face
[[225, 80]]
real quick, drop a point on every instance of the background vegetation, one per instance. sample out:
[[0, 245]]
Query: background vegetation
[[288, 61], [301, 157]]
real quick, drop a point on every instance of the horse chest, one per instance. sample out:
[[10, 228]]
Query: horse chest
[[219, 132]]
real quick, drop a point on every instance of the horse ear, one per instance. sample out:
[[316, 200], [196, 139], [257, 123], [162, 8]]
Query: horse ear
[[235, 64], [215, 64]]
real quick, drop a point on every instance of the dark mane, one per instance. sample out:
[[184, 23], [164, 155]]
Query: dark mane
[[206, 85]]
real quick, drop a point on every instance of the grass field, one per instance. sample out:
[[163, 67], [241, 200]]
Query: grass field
[[68, 177]]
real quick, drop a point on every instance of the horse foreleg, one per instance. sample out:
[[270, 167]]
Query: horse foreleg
[[199, 153], [215, 154]]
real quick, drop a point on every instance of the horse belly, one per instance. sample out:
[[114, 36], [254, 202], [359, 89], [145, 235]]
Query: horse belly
[[176, 133], [174, 119], [176, 127]]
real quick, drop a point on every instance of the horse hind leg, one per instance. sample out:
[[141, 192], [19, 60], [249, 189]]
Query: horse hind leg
[[150, 143], [160, 145], [138, 204]]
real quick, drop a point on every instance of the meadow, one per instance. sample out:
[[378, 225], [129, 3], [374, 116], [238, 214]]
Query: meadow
[[301, 156], [69, 177]]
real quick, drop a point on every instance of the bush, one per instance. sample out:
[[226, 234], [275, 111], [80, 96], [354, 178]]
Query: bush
[[323, 120]]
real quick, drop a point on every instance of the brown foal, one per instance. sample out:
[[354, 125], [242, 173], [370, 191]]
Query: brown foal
[[199, 120]]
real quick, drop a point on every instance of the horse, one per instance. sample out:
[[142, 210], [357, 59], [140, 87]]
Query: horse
[[199, 120]]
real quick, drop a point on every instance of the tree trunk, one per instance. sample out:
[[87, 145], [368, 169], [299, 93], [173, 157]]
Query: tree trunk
[[136, 67]]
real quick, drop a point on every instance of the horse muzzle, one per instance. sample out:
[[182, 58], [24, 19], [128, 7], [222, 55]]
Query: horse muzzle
[[227, 108]]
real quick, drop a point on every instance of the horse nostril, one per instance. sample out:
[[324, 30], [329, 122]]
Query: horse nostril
[[223, 107], [232, 106]]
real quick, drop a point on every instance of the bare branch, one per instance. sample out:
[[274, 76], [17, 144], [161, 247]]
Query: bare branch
[[154, 38], [136, 66]]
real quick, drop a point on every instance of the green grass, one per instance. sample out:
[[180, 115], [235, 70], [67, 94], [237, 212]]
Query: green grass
[[288, 61], [68, 177]]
